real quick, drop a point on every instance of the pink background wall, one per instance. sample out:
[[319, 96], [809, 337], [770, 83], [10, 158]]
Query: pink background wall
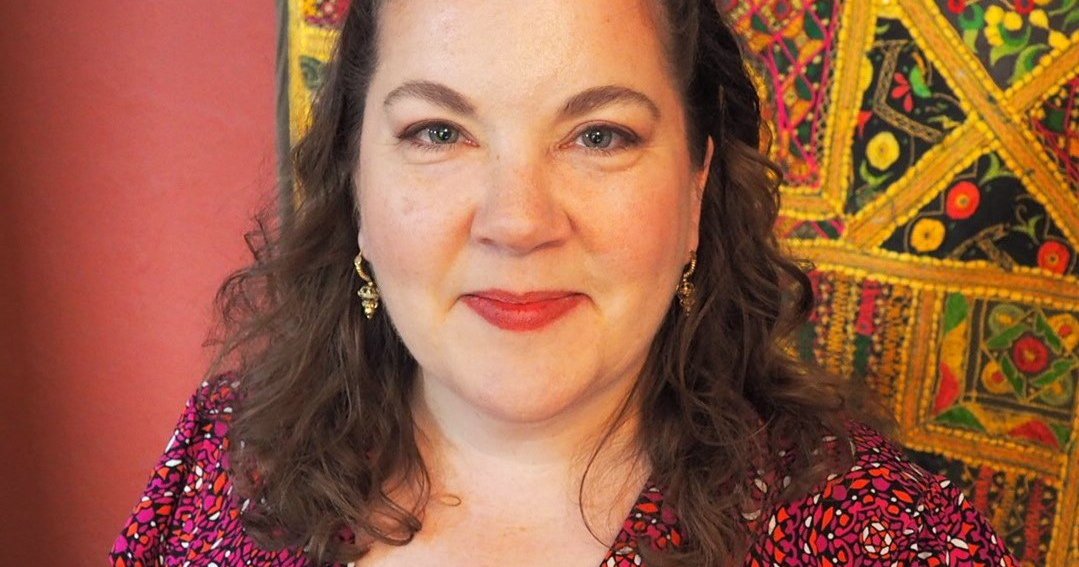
[[136, 140]]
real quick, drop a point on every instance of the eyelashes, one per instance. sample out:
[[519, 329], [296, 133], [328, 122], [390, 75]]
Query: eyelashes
[[606, 139], [434, 136], [440, 136]]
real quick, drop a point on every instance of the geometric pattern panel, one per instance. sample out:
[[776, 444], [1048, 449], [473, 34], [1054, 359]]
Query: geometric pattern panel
[[1056, 122], [1007, 370], [1010, 38], [944, 229], [907, 109], [795, 44], [791, 227], [930, 151], [860, 328], [986, 214]]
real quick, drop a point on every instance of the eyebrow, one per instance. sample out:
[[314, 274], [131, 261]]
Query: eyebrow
[[597, 97], [581, 103], [435, 93]]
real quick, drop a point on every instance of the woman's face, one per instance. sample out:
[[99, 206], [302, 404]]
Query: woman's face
[[528, 200]]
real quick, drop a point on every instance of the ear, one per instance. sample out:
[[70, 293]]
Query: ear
[[356, 210], [706, 166], [700, 182]]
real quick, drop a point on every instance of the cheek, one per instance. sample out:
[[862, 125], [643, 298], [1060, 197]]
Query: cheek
[[406, 231], [645, 228]]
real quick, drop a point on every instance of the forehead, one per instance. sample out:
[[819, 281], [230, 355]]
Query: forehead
[[530, 46]]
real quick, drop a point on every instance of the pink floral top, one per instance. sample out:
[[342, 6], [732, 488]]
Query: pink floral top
[[883, 511]]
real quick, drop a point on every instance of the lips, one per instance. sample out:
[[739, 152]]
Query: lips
[[522, 311]]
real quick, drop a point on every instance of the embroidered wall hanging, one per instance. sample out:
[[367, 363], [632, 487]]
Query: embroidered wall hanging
[[931, 153]]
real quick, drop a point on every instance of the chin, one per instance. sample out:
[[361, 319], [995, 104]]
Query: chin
[[532, 390], [525, 377]]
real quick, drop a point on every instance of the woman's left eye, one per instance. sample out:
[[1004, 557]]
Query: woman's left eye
[[605, 138]]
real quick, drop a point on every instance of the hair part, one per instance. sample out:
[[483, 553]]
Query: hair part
[[322, 433]]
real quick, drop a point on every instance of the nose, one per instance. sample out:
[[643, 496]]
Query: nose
[[519, 210]]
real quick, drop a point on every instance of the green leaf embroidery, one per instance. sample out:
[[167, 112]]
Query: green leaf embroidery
[[1055, 119], [1071, 20], [917, 83], [945, 121], [1026, 60], [811, 28], [970, 37], [1012, 374], [758, 23], [803, 88], [1045, 331], [1012, 44], [313, 72], [956, 309], [962, 417], [1005, 338], [994, 170], [863, 347], [1060, 368], [1064, 8], [874, 181], [1062, 432], [1029, 227], [972, 20], [1028, 57]]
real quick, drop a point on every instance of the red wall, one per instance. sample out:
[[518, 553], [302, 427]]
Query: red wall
[[136, 140]]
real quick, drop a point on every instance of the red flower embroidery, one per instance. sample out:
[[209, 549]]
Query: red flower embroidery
[[962, 201], [1054, 256], [1024, 7], [902, 90], [957, 6], [997, 378], [863, 119], [1030, 354]]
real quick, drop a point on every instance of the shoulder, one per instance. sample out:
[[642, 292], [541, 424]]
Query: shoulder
[[885, 510], [205, 420], [188, 512], [200, 440]]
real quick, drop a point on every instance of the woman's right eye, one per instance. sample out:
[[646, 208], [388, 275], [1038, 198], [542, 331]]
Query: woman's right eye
[[432, 135]]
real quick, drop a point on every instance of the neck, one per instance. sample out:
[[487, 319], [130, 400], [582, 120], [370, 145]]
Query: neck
[[480, 456]]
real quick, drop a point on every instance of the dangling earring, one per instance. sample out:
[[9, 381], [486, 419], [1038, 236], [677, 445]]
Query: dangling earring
[[369, 292], [687, 292]]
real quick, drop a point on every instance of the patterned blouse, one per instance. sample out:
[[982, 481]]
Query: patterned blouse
[[883, 511]]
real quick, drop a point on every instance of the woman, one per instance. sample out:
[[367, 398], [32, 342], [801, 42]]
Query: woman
[[571, 306]]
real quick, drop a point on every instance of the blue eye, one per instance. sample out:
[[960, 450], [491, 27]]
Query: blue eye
[[434, 136], [605, 139], [598, 138], [440, 134]]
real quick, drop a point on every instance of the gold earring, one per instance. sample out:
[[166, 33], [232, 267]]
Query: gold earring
[[369, 292], [687, 292]]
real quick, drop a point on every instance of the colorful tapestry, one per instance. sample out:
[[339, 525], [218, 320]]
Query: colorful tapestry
[[931, 153]]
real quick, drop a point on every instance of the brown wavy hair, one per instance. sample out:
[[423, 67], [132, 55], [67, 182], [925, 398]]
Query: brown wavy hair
[[323, 431]]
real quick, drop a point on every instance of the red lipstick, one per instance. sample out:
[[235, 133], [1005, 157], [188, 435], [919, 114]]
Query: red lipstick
[[522, 311]]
